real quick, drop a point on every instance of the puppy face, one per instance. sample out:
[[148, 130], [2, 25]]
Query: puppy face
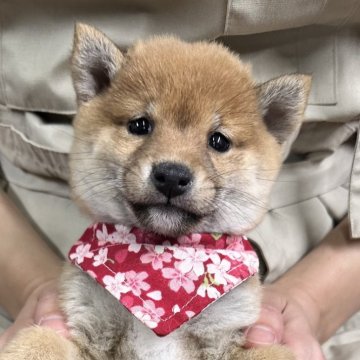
[[175, 137]]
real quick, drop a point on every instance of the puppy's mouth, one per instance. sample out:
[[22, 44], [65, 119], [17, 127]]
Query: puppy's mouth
[[165, 218]]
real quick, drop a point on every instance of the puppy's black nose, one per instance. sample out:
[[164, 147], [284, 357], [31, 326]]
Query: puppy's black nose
[[171, 179]]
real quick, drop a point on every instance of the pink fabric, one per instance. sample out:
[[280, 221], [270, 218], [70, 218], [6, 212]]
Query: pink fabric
[[164, 281]]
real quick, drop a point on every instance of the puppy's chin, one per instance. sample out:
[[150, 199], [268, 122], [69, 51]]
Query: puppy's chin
[[166, 219]]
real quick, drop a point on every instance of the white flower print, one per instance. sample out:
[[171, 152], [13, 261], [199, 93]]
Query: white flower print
[[145, 319], [206, 289], [101, 257], [82, 251], [155, 295], [135, 282], [193, 240], [232, 254], [179, 279], [219, 268], [228, 287], [102, 235], [192, 259], [156, 255], [251, 260], [235, 243], [134, 247], [122, 235], [149, 314], [116, 285]]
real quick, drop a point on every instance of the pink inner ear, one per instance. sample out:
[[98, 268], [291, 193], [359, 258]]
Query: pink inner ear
[[283, 103], [95, 61]]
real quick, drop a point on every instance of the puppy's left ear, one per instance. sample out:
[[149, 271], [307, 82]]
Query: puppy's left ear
[[95, 61], [282, 102]]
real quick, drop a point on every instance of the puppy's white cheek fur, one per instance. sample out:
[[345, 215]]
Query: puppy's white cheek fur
[[239, 211], [93, 186]]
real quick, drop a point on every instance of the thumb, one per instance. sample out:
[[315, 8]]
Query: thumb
[[39, 310], [23, 320], [48, 314], [267, 330]]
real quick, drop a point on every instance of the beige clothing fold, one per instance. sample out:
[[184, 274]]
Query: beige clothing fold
[[354, 199], [256, 16]]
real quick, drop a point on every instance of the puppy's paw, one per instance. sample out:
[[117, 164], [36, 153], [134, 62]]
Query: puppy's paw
[[275, 352], [38, 343]]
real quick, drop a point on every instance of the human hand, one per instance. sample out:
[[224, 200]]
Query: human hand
[[41, 309], [286, 319]]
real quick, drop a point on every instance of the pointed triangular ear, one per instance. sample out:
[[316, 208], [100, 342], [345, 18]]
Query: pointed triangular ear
[[282, 102], [95, 61]]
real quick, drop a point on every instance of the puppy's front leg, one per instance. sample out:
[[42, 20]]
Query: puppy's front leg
[[274, 352], [38, 343]]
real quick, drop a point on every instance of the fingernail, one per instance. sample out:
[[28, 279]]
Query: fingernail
[[261, 335], [56, 323], [49, 319], [62, 332]]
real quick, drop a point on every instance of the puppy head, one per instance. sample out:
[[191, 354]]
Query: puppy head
[[176, 137]]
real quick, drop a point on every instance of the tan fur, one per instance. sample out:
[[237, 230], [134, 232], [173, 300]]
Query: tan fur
[[271, 352], [40, 343], [188, 91]]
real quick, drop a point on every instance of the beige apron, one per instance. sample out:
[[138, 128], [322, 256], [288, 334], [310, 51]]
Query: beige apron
[[320, 182]]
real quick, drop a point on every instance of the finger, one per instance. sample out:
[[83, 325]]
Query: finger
[[23, 320], [302, 343], [305, 348], [46, 306], [299, 337], [48, 314], [12, 330], [5, 336], [267, 330]]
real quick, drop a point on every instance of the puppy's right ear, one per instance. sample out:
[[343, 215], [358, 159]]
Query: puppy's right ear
[[95, 61]]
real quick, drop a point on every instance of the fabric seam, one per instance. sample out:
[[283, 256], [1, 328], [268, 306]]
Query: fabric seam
[[3, 87], [227, 19], [350, 199], [352, 12], [28, 141]]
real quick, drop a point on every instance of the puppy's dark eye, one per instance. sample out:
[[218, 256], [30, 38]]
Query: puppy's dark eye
[[219, 142], [140, 126]]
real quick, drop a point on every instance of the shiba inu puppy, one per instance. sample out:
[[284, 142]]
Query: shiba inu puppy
[[174, 138]]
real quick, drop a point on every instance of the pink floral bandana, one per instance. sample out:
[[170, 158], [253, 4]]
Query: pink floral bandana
[[164, 281]]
